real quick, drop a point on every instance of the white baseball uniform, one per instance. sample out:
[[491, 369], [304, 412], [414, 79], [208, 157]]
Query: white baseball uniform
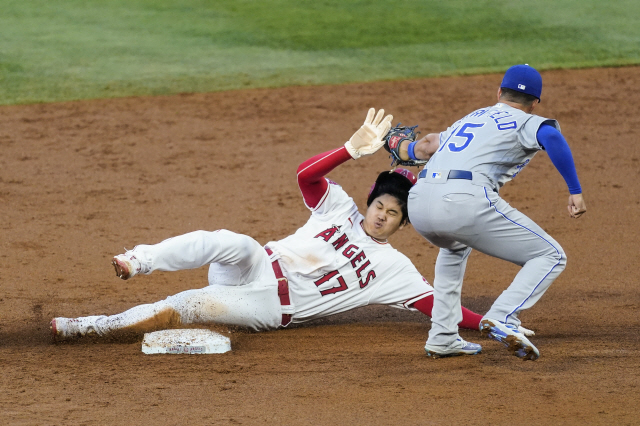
[[330, 263]]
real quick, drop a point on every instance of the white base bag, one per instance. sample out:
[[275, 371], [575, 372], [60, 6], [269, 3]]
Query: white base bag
[[187, 341]]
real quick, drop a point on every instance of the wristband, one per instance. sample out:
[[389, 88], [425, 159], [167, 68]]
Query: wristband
[[410, 150]]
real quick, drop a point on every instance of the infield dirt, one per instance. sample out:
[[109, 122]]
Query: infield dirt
[[81, 180]]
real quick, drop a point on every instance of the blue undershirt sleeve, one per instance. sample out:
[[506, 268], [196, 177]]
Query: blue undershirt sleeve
[[559, 152]]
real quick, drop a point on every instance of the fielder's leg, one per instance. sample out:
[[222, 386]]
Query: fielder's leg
[[447, 310], [439, 212], [512, 236]]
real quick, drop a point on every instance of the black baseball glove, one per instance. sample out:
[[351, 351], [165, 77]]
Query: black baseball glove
[[392, 142]]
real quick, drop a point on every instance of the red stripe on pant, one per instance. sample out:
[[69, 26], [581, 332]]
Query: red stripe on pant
[[283, 287]]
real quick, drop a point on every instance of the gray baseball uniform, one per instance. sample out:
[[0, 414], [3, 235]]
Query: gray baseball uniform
[[455, 205]]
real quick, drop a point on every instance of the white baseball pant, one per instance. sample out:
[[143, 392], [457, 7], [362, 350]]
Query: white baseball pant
[[242, 285]]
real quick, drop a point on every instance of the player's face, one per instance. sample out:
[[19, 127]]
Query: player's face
[[383, 217]]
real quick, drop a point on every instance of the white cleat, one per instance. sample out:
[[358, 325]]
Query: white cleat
[[71, 328], [126, 265]]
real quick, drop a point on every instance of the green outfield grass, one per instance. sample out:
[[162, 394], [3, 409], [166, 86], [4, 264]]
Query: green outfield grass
[[62, 50]]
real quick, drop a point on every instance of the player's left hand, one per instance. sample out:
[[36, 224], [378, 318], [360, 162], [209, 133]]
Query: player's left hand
[[576, 206], [397, 143], [368, 138]]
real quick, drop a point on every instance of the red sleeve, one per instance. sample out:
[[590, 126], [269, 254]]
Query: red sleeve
[[311, 174]]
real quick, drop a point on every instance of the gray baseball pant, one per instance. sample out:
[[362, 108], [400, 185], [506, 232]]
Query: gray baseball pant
[[460, 215]]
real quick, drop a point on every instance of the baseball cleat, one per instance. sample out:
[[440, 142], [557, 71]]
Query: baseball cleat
[[126, 265], [63, 329], [54, 329], [508, 335], [70, 328], [460, 347]]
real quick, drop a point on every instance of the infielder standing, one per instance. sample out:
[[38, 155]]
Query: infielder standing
[[455, 205], [339, 260]]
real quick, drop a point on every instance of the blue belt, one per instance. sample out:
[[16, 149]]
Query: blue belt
[[453, 174]]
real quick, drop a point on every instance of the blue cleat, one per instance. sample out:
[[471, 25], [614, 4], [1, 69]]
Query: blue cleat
[[511, 337], [459, 347]]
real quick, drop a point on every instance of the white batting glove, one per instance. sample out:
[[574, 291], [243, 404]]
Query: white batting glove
[[368, 139]]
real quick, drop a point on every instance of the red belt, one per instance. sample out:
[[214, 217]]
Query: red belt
[[283, 287]]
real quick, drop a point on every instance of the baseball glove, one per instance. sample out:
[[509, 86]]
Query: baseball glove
[[392, 142]]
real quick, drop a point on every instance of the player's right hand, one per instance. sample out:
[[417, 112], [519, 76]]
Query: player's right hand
[[576, 206], [368, 138]]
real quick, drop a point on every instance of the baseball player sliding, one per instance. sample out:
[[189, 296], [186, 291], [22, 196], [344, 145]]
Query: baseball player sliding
[[339, 260], [455, 205]]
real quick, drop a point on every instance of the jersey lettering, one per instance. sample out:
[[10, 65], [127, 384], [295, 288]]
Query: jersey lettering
[[362, 268], [447, 140], [498, 115], [519, 168], [342, 285], [328, 233], [350, 251], [502, 115], [359, 258], [478, 113], [371, 275], [340, 241], [507, 126], [463, 134]]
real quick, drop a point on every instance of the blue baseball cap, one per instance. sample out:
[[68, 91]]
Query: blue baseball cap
[[523, 78]]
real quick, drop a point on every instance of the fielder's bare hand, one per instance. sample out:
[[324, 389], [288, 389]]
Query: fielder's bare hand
[[576, 206]]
